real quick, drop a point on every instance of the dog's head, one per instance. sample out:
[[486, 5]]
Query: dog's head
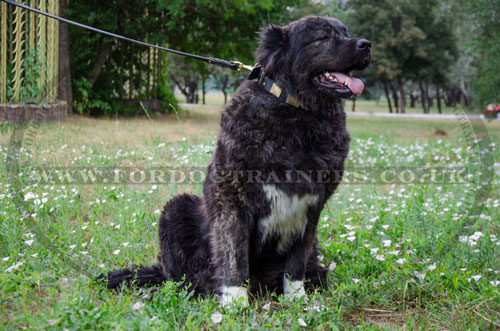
[[313, 58]]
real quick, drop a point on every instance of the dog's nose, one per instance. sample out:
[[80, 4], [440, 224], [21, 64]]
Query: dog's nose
[[363, 44]]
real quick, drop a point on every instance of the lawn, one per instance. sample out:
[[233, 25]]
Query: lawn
[[401, 255]]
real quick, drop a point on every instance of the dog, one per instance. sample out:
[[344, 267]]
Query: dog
[[279, 157]]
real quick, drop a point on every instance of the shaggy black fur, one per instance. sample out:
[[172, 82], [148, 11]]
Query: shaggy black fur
[[218, 241]]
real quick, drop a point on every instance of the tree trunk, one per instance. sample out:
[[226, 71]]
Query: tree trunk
[[121, 91], [181, 87], [192, 92], [465, 90], [203, 88], [192, 87], [423, 97], [430, 103], [402, 95], [131, 74], [353, 105], [101, 59], [386, 90], [412, 100], [64, 76], [395, 97], [466, 99], [449, 99], [438, 99], [188, 88], [224, 86], [148, 74]]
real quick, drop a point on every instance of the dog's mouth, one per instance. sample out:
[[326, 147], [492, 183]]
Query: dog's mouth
[[342, 84]]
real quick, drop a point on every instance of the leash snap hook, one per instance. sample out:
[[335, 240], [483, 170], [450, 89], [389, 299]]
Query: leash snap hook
[[242, 66]]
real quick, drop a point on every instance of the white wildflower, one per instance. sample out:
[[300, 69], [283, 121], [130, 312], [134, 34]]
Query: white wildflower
[[14, 267], [216, 317], [137, 305], [420, 276], [29, 196]]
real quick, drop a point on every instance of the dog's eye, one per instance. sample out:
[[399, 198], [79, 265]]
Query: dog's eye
[[323, 38]]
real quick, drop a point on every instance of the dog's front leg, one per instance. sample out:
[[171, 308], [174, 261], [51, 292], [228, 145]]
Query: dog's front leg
[[230, 249], [295, 266]]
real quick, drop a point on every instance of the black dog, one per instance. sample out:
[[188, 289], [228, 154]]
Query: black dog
[[279, 157]]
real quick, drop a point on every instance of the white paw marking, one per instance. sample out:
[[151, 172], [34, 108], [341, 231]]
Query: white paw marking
[[293, 289], [232, 294], [288, 217]]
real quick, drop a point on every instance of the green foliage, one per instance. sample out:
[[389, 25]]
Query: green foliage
[[408, 39], [167, 95], [30, 92], [486, 15], [224, 29], [86, 100]]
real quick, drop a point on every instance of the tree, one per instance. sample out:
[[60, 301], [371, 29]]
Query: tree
[[110, 70], [486, 85], [64, 72], [224, 79], [184, 74], [409, 43]]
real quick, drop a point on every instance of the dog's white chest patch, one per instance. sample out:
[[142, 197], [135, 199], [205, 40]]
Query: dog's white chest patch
[[288, 217]]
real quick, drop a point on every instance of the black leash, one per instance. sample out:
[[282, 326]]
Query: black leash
[[233, 65]]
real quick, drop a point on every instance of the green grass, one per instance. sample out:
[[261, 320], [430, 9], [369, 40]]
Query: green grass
[[402, 256]]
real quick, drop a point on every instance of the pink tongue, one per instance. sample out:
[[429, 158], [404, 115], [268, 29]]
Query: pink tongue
[[355, 85]]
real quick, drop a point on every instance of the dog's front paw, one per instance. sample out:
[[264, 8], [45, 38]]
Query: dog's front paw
[[233, 294], [294, 289]]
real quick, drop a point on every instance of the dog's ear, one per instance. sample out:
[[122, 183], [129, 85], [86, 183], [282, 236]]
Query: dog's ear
[[273, 43]]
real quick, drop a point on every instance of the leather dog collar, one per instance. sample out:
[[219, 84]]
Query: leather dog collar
[[271, 87]]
